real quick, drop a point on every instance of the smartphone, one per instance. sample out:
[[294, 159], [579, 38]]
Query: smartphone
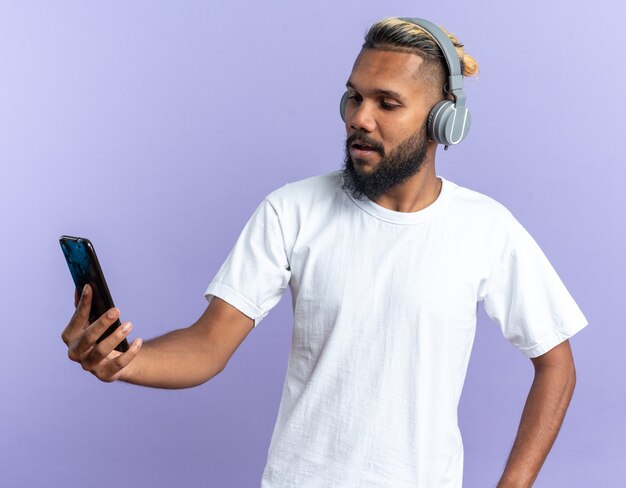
[[85, 269]]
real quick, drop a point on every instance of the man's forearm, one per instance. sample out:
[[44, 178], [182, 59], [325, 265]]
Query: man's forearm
[[178, 359], [542, 417]]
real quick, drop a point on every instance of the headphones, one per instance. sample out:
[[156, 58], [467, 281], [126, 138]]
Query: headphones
[[449, 121]]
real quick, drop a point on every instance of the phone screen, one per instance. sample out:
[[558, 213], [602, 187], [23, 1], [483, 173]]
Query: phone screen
[[85, 269]]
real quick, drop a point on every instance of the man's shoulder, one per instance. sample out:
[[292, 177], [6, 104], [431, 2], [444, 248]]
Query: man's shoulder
[[470, 202], [307, 191]]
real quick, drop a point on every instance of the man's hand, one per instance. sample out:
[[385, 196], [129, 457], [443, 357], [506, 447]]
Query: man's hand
[[80, 336]]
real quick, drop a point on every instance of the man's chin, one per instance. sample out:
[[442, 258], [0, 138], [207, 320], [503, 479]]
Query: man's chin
[[356, 175], [362, 168]]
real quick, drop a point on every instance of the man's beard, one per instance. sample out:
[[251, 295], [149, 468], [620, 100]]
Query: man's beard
[[401, 163]]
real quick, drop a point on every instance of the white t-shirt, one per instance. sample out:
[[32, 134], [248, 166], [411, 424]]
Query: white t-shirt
[[384, 315]]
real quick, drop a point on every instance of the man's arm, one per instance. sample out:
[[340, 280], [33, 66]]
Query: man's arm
[[180, 359], [547, 402]]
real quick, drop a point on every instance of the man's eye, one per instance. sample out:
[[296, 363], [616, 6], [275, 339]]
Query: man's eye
[[387, 106], [355, 98]]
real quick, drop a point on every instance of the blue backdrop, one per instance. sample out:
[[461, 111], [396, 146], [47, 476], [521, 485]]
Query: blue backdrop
[[155, 128]]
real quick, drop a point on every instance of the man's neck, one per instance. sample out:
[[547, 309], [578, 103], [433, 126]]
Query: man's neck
[[416, 193]]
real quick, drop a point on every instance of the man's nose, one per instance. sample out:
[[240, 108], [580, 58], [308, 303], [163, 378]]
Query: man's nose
[[362, 118]]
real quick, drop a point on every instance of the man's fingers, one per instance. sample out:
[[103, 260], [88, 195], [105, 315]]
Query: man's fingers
[[82, 337], [91, 334], [105, 347], [113, 370], [80, 318]]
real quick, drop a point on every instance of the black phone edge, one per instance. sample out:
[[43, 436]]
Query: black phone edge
[[104, 288]]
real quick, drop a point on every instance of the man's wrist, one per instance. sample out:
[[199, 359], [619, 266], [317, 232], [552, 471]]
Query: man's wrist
[[129, 374]]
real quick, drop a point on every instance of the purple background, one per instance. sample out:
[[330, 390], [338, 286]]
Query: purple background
[[155, 128]]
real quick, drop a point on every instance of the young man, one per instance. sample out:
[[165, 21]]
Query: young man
[[386, 263]]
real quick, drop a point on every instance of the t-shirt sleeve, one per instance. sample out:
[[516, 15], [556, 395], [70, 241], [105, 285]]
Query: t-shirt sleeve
[[256, 272], [526, 297]]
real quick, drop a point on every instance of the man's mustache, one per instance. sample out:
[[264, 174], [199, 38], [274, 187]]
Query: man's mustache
[[362, 139]]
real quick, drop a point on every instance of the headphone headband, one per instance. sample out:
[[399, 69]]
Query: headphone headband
[[455, 76]]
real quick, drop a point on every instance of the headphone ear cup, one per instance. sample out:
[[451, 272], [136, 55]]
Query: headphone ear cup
[[458, 126], [448, 124], [342, 106], [437, 120]]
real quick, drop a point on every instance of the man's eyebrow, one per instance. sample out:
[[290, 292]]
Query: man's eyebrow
[[379, 91]]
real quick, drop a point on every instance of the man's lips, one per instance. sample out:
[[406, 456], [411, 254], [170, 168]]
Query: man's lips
[[363, 147], [362, 150]]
